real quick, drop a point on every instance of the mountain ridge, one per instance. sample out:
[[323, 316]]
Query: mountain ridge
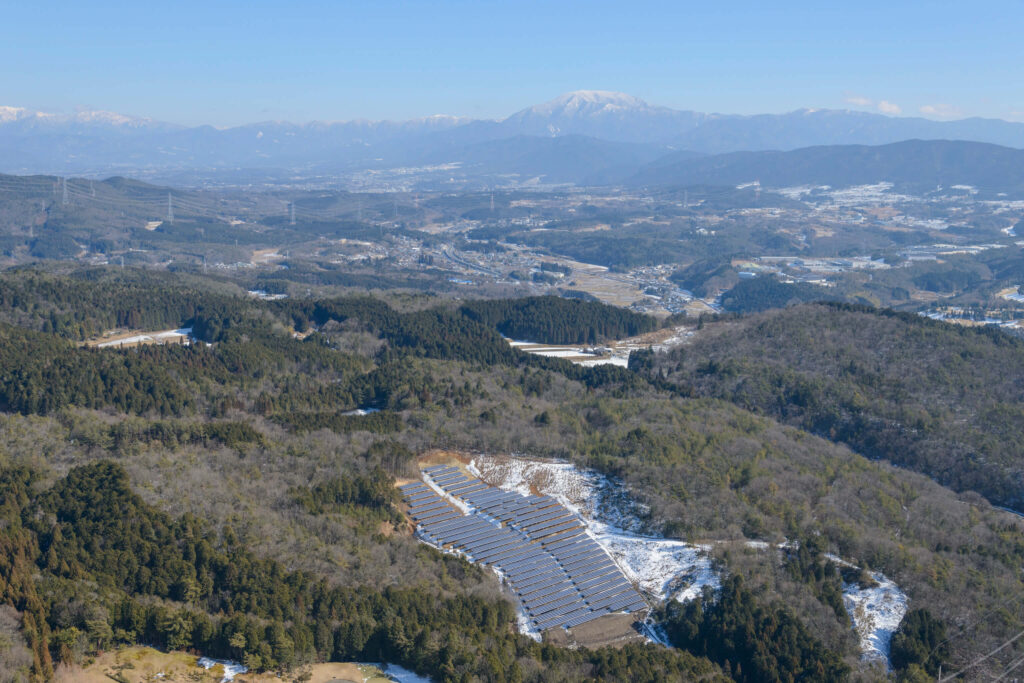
[[97, 142]]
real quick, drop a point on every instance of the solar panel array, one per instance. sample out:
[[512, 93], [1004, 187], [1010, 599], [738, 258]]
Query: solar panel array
[[559, 574]]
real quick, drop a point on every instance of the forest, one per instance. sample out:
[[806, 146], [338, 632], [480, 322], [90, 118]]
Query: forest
[[941, 399], [214, 498]]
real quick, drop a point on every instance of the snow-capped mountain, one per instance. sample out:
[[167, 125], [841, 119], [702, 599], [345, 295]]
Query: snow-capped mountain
[[602, 114], [103, 142]]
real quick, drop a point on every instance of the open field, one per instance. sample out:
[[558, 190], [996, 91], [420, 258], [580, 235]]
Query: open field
[[143, 664], [126, 339]]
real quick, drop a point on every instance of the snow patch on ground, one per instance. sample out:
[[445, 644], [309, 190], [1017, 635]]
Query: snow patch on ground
[[231, 669], [396, 673], [662, 568], [876, 613]]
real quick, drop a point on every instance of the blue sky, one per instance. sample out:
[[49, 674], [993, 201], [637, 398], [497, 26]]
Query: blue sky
[[227, 63]]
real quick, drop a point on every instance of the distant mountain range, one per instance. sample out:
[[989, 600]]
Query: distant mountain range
[[583, 137], [912, 165]]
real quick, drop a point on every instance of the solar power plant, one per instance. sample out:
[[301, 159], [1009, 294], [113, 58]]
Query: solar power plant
[[561, 576]]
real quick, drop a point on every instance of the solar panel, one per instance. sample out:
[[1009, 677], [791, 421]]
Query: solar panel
[[484, 498], [551, 594], [565, 541], [581, 619], [431, 511], [601, 598], [531, 559], [451, 524], [562, 537], [459, 532], [504, 546], [594, 578], [622, 603], [526, 585], [576, 612], [428, 514], [440, 518], [466, 535], [553, 602], [426, 504], [530, 572], [530, 513], [468, 487], [491, 502], [556, 610], [535, 574], [525, 562], [546, 522], [539, 590], [571, 564], [611, 601]]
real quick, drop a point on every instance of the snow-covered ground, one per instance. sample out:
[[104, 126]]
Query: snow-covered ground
[[231, 669], [877, 613]]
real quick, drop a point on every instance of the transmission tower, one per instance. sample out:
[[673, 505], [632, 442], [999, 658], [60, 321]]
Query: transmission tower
[[291, 212], [170, 209], [64, 198], [492, 202]]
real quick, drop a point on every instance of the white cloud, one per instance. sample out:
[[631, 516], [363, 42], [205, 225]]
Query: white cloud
[[859, 101], [888, 107], [941, 111]]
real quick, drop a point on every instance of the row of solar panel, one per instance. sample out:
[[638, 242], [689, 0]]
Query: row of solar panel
[[545, 587]]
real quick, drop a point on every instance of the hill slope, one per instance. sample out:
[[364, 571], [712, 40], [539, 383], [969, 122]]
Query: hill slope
[[943, 400]]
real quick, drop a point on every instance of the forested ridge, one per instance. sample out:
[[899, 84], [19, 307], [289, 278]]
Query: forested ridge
[[942, 399], [552, 320], [214, 497]]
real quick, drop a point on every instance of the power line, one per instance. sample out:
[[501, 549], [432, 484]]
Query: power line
[[981, 659]]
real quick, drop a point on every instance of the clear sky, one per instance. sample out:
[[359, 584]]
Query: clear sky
[[227, 63]]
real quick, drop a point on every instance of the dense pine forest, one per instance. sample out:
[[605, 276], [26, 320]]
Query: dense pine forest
[[214, 498]]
